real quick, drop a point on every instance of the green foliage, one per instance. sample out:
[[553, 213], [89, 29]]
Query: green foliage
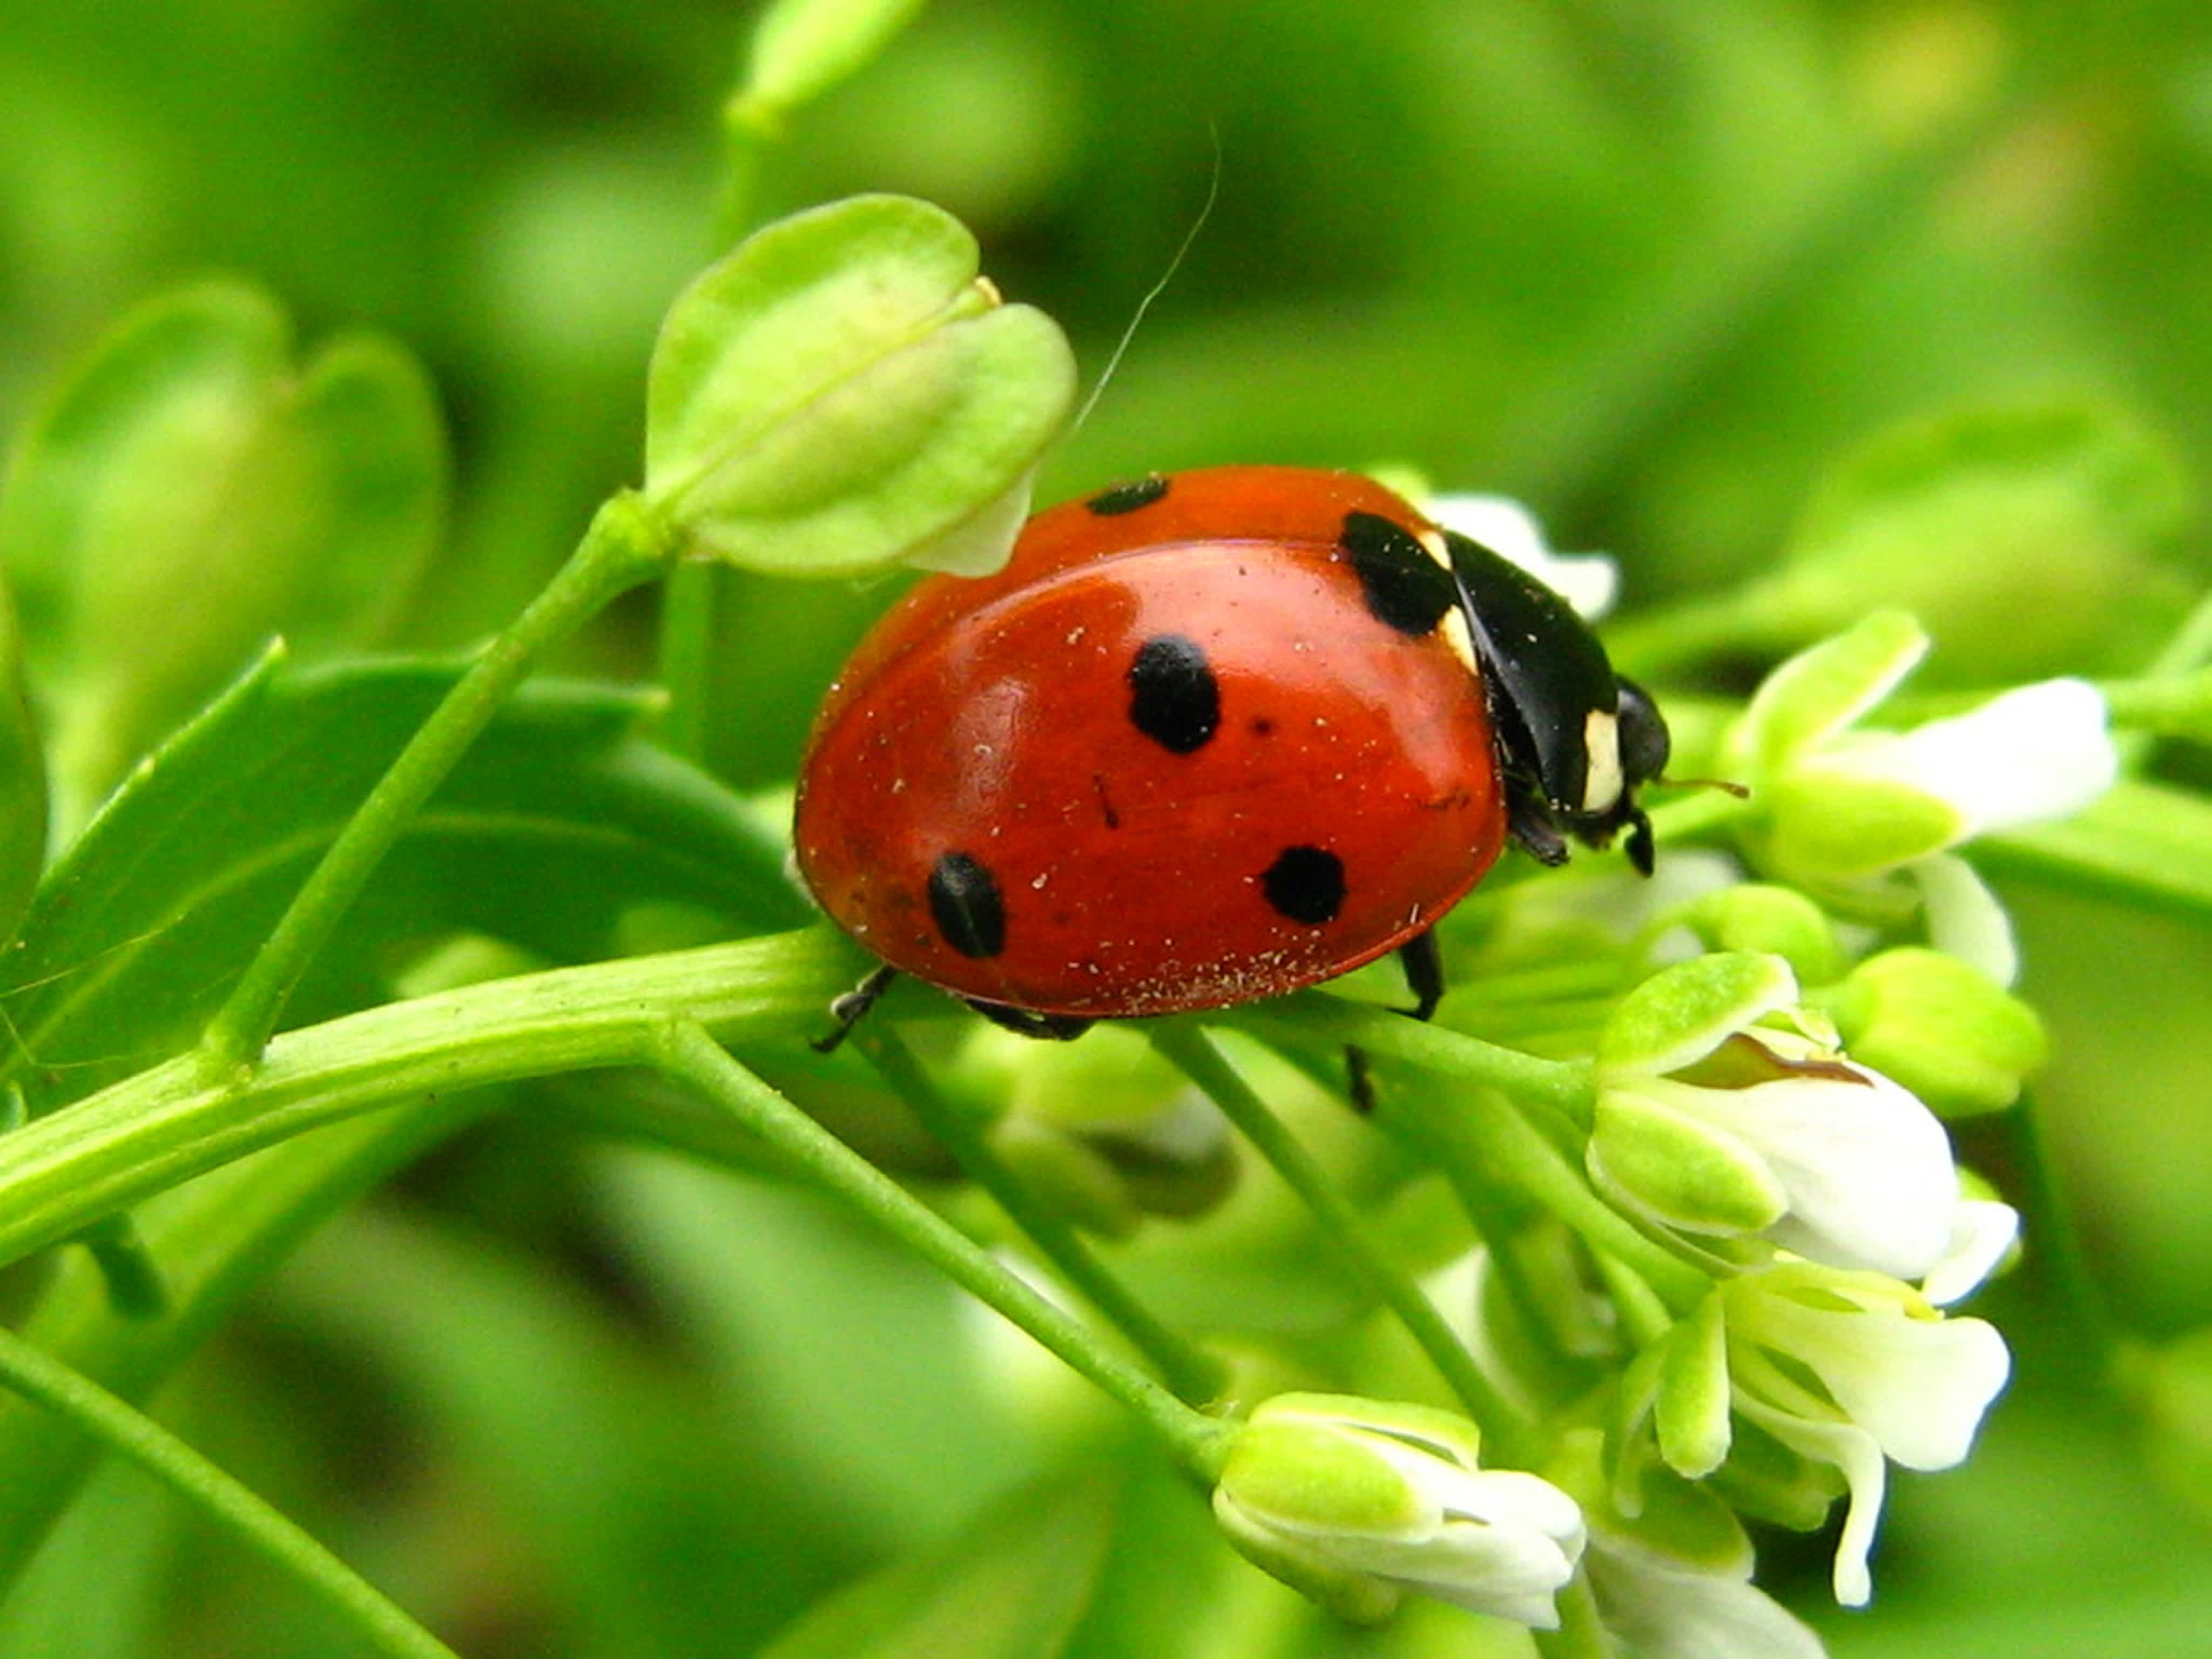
[[189, 492], [1875, 330]]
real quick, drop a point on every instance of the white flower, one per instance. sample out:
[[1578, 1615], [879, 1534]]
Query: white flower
[[1655, 1608], [1897, 1381], [1843, 808], [1711, 1120], [1355, 1502], [2036, 752], [1588, 582]]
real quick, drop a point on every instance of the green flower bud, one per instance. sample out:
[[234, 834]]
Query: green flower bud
[[1355, 1502], [1941, 1027], [1769, 920], [843, 391], [802, 48], [1836, 809], [1716, 1118]]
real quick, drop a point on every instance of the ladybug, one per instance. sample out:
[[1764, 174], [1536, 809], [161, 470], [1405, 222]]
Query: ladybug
[[1207, 738]]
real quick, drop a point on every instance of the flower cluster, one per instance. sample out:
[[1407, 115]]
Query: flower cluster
[[1766, 1109]]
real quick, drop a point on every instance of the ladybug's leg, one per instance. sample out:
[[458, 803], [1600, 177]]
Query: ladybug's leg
[[1640, 853], [848, 1009], [1425, 973], [1056, 1028], [1529, 820], [1424, 978]]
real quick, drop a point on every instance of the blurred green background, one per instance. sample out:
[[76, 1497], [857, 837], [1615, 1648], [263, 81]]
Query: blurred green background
[[1654, 265]]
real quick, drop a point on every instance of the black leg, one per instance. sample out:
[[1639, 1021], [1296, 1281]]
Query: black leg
[[848, 1010], [1359, 1081], [1054, 1028], [1425, 973], [1641, 853], [1529, 820]]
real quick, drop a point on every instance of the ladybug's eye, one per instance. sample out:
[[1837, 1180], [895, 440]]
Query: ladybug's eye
[[1644, 745]]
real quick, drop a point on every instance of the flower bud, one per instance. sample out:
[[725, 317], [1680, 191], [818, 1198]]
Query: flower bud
[[844, 391], [1355, 1502], [1769, 920], [1942, 1029], [1835, 808], [1713, 1120]]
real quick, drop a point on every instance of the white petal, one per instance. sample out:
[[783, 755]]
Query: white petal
[[1982, 1231], [1505, 1544], [1854, 1452], [2039, 752], [1588, 582], [1964, 917], [1657, 1614], [1867, 1167], [1920, 1386]]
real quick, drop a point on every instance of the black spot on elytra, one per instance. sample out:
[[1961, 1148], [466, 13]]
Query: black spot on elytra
[[1128, 498], [1173, 698], [1405, 588], [1261, 727], [964, 901], [1305, 883]]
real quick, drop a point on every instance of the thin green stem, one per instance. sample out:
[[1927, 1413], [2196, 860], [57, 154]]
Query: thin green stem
[[1193, 1374], [1188, 1049], [1581, 1633], [624, 546], [2190, 647], [1498, 1142], [1559, 1083], [687, 657], [1496, 1138], [688, 1055], [40, 1377]]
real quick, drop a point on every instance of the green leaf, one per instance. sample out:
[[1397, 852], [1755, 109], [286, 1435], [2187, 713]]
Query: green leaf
[[843, 391], [1011, 1586], [189, 472], [802, 48], [22, 783], [2022, 534], [2143, 843], [562, 821]]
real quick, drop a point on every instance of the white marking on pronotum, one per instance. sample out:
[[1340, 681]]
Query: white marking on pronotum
[[1603, 783]]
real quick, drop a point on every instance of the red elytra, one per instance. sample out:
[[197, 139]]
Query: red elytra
[[1177, 754]]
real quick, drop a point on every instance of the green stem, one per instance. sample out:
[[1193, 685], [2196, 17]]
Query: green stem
[[1581, 1633], [1188, 1049], [37, 1376], [1193, 1374], [151, 1132], [1559, 1083], [687, 657], [1496, 1138], [689, 1055], [1498, 1142], [624, 546]]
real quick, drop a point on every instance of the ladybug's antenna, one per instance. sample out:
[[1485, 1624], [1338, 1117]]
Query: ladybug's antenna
[[1136, 320]]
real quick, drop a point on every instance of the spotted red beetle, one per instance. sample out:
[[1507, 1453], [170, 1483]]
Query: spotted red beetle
[[1207, 738]]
